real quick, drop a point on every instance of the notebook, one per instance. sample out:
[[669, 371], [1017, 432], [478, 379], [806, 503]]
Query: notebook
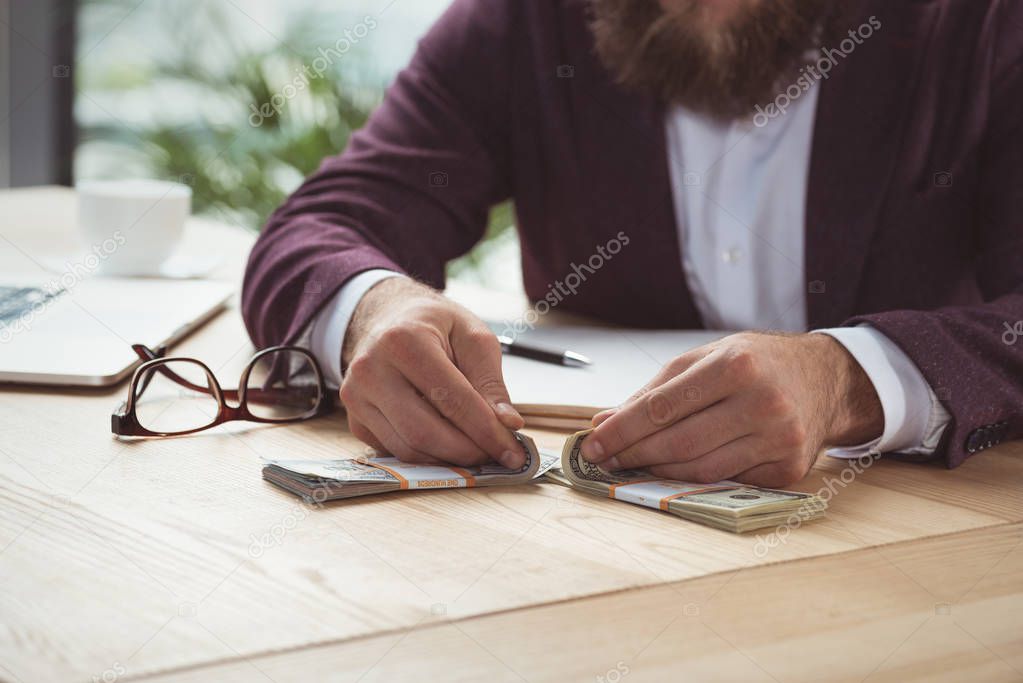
[[560, 397]]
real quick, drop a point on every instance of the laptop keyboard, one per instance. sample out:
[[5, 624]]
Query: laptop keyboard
[[17, 301]]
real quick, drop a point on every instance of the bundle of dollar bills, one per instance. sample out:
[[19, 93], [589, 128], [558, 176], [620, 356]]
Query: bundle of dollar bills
[[322, 480], [724, 505]]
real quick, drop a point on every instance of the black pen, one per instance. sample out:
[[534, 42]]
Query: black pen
[[571, 358]]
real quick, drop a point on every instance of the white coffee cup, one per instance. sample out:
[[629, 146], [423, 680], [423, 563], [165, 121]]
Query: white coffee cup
[[132, 226]]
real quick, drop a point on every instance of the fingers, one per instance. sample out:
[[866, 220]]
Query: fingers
[[435, 351], [744, 408], [722, 463], [419, 424], [698, 387], [454, 422], [683, 441], [671, 369], [775, 475], [478, 355], [675, 367], [368, 418], [363, 433], [457, 400]]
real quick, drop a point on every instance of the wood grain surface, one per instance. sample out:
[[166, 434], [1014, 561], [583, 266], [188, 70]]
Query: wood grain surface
[[173, 560]]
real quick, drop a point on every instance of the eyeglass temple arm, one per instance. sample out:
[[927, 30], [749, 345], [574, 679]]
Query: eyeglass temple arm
[[145, 353], [280, 372], [268, 396]]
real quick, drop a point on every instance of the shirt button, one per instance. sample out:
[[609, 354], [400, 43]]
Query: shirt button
[[731, 255]]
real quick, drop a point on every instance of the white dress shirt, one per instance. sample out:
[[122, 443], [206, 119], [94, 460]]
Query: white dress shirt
[[740, 197]]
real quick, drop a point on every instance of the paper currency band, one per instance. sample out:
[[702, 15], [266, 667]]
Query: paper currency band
[[470, 481], [403, 482], [614, 487], [683, 494], [663, 504]]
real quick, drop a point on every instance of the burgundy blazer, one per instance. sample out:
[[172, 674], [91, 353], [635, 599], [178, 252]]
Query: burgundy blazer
[[914, 215]]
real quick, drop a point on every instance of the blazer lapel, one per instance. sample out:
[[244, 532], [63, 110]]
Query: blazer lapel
[[620, 148], [861, 114]]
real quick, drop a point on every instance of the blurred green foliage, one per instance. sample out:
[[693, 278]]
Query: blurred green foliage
[[236, 170], [239, 172]]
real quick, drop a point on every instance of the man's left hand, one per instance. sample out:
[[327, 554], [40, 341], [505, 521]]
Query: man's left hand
[[757, 408]]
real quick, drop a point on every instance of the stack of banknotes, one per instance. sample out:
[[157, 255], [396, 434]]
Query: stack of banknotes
[[723, 505], [322, 480]]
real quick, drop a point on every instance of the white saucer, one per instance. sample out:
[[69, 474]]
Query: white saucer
[[179, 266]]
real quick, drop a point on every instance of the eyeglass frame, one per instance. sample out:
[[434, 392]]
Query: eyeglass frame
[[124, 420]]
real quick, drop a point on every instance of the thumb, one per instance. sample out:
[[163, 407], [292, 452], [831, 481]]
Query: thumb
[[477, 354]]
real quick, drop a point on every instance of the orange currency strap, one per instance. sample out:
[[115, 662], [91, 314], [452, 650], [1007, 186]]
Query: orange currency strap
[[411, 476], [657, 493]]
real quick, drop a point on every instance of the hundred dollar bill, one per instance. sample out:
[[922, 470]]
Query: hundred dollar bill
[[725, 505], [322, 480]]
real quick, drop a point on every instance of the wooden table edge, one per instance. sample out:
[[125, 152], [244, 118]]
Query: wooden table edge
[[156, 674]]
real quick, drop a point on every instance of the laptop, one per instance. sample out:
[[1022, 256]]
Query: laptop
[[81, 334]]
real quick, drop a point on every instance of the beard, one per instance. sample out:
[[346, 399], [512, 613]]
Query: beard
[[722, 66]]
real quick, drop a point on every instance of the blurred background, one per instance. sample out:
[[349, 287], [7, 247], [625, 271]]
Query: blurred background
[[202, 92]]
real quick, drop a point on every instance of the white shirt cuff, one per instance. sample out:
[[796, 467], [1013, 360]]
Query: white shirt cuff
[[327, 329], [913, 416]]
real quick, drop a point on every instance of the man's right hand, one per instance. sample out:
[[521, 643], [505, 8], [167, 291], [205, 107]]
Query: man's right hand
[[423, 379]]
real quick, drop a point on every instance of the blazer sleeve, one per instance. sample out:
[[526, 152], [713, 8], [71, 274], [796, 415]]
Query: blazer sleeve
[[413, 188], [972, 356]]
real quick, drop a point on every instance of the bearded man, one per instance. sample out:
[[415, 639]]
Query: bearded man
[[844, 176]]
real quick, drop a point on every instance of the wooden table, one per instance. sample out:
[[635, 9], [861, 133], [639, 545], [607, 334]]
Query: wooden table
[[173, 561]]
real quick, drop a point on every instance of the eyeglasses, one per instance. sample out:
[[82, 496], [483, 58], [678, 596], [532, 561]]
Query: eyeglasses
[[176, 396]]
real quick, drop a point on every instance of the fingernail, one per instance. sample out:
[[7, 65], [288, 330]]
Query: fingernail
[[593, 450], [511, 460], [506, 412], [602, 415], [612, 464]]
